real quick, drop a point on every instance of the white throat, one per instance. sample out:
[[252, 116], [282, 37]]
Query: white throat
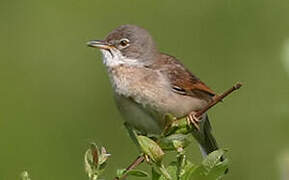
[[116, 59]]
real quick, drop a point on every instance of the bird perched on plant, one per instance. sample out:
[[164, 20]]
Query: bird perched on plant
[[149, 84]]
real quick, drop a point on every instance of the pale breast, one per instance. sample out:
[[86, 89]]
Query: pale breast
[[152, 93], [150, 88]]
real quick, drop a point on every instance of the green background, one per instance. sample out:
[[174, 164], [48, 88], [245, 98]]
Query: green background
[[55, 96]]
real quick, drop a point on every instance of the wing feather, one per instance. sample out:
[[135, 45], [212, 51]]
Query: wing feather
[[182, 81]]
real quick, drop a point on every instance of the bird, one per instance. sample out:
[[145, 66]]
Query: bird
[[148, 84]]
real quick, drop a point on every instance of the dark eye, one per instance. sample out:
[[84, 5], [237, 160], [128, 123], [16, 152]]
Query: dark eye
[[124, 42]]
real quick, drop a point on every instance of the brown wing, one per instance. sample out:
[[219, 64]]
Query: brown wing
[[182, 81]]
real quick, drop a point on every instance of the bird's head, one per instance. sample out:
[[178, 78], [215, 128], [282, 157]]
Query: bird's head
[[127, 44]]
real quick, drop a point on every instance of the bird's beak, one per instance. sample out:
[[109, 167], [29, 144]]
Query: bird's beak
[[99, 44]]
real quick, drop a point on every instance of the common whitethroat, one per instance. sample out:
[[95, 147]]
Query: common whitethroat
[[149, 84]]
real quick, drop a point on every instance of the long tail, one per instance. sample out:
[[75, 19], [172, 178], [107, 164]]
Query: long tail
[[205, 138], [208, 143]]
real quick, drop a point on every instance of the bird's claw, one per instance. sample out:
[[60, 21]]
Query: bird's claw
[[194, 120]]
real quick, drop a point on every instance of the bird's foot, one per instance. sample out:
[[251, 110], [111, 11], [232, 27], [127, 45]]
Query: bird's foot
[[192, 119]]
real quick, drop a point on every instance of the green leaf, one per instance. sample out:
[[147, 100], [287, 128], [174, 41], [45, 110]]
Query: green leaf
[[120, 172], [211, 168], [24, 176], [172, 169], [179, 127], [165, 173], [213, 159], [197, 173], [187, 169], [162, 173], [169, 142], [137, 173], [95, 161], [219, 170], [151, 148], [155, 175]]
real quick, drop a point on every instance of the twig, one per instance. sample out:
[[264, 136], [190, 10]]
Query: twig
[[218, 99], [134, 164]]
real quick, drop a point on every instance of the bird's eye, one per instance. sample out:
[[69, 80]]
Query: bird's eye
[[124, 42]]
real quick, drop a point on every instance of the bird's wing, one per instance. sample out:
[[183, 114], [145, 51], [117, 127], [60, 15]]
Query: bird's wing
[[182, 81]]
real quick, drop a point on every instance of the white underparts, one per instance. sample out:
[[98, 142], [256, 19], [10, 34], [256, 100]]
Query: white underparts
[[113, 57]]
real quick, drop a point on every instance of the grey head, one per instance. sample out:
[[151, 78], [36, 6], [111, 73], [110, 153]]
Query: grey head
[[127, 44]]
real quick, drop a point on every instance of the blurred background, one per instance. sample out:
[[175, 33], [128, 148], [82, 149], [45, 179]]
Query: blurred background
[[55, 96]]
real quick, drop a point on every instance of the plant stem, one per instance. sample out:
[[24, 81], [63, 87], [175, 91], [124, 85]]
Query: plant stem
[[218, 99], [134, 164]]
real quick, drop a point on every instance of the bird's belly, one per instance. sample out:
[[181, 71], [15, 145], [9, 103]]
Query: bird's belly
[[149, 118], [180, 105], [141, 118]]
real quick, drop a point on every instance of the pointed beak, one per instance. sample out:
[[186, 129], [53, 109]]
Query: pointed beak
[[99, 44]]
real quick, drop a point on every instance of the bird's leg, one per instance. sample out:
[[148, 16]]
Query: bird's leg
[[194, 120], [193, 117]]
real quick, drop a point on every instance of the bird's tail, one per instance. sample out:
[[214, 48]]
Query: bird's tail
[[207, 141], [205, 138]]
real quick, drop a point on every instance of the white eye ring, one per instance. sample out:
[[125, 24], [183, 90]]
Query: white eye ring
[[124, 42]]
